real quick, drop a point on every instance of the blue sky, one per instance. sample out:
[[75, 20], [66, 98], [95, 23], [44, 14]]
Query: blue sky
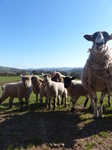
[[49, 33]]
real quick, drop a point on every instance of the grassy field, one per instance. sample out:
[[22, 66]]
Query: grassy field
[[43, 129]]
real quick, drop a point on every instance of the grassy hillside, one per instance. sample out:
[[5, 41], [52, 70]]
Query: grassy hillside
[[43, 129]]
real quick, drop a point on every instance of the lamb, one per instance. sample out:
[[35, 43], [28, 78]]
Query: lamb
[[36, 85], [18, 90], [43, 93], [54, 89], [97, 72], [58, 77], [75, 89]]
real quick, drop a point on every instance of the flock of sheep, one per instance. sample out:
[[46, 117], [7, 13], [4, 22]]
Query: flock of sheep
[[96, 77]]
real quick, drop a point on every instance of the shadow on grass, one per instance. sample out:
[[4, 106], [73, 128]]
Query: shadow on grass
[[35, 127]]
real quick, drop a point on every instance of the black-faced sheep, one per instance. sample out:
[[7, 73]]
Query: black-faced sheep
[[54, 90], [18, 90], [75, 89], [97, 72]]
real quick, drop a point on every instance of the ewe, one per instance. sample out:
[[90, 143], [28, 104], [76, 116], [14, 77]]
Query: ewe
[[18, 90], [97, 72]]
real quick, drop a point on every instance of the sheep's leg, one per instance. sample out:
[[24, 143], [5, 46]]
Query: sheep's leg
[[50, 99], [36, 98], [3, 97], [109, 101], [41, 102], [95, 101], [26, 102], [86, 101], [54, 100], [66, 102], [73, 104], [10, 102], [92, 102], [101, 104], [58, 100], [62, 100], [46, 103], [21, 104]]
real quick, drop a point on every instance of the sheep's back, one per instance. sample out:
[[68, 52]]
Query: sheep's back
[[76, 89], [17, 90]]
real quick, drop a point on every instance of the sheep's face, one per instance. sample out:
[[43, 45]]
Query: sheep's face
[[47, 78], [67, 81], [33, 79], [55, 77], [99, 40], [26, 81]]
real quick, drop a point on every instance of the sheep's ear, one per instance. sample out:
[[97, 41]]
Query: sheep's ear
[[40, 80], [88, 37], [111, 37], [53, 75], [73, 78], [43, 74]]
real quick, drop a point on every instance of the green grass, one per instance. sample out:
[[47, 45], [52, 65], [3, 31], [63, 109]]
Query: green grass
[[4, 79], [37, 126]]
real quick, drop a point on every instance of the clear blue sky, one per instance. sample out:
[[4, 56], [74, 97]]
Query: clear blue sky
[[49, 33]]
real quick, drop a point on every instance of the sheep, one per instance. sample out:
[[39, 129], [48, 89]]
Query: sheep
[[54, 89], [58, 77], [75, 89], [36, 85], [18, 90], [43, 93], [97, 72], [109, 97]]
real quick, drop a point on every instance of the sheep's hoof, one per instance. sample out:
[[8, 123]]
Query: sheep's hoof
[[72, 110]]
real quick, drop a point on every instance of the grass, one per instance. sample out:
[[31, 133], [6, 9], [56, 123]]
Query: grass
[[4, 79], [40, 128]]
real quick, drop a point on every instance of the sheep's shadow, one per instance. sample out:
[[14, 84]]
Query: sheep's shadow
[[37, 128]]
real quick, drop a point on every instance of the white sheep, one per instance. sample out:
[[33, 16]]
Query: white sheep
[[18, 90], [97, 72], [36, 85], [54, 89], [75, 89], [43, 93], [58, 77]]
